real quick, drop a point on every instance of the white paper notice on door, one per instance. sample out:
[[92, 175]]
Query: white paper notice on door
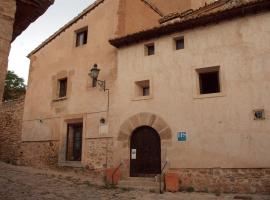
[[133, 154]]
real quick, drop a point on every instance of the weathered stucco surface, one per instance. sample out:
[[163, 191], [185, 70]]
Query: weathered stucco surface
[[170, 6], [45, 116], [132, 17], [221, 128]]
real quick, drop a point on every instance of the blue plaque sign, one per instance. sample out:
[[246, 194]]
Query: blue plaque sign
[[182, 136]]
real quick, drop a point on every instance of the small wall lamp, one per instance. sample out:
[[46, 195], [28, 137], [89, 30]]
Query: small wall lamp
[[94, 72]]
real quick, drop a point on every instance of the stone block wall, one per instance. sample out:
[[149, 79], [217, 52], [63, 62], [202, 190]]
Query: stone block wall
[[218, 180], [11, 115], [13, 150], [99, 153], [40, 154]]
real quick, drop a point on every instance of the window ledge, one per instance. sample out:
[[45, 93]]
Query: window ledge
[[212, 95], [76, 164], [140, 98], [80, 46], [60, 99]]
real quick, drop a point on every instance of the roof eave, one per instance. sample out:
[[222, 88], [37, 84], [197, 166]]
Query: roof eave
[[66, 26], [244, 10]]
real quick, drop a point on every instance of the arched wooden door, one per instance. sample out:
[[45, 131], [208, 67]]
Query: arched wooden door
[[145, 152]]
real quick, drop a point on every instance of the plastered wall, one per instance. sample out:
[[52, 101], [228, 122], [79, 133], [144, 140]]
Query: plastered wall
[[221, 130]]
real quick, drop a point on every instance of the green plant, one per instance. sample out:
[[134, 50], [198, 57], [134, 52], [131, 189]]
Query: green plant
[[109, 186], [126, 189], [152, 190], [14, 87], [205, 190], [186, 189], [217, 193], [190, 189], [88, 183]]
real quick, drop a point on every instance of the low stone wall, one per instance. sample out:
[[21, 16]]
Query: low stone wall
[[44, 154], [11, 115], [99, 153], [225, 180], [40, 154]]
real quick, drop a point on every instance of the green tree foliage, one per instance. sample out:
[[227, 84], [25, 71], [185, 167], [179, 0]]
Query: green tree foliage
[[14, 87]]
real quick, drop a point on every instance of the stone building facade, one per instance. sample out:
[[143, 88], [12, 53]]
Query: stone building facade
[[186, 89], [227, 144], [46, 124]]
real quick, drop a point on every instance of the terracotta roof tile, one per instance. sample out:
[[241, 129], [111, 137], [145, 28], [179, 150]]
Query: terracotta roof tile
[[218, 11], [204, 9]]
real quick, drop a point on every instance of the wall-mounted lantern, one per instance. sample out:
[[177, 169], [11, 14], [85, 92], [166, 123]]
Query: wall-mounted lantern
[[94, 72], [259, 114]]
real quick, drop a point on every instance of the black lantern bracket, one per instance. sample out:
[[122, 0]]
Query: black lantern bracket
[[102, 85], [94, 72]]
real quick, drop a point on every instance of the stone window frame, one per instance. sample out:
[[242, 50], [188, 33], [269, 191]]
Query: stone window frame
[[175, 39], [146, 50], [55, 85], [196, 83], [61, 93], [135, 97], [71, 119], [76, 32]]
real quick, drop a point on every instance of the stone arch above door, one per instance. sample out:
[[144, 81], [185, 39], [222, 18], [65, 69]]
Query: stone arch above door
[[144, 119]]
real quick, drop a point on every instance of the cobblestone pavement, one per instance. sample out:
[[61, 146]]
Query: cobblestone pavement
[[24, 183]]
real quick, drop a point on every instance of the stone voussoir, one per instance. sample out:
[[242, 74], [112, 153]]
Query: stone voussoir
[[126, 127], [166, 133], [122, 136], [134, 120], [159, 124], [146, 119]]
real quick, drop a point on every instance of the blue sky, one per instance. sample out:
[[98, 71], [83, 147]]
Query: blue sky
[[55, 17]]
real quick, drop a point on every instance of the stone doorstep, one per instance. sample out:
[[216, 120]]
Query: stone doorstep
[[71, 164], [140, 183]]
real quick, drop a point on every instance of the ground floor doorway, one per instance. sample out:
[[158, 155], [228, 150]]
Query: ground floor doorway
[[145, 152], [74, 142]]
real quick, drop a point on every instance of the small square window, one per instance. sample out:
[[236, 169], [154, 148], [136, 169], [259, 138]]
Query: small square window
[[179, 43], [149, 49], [62, 88], [81, 37], [259, 114], [209, 80], [142, 88], [146, 91]]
